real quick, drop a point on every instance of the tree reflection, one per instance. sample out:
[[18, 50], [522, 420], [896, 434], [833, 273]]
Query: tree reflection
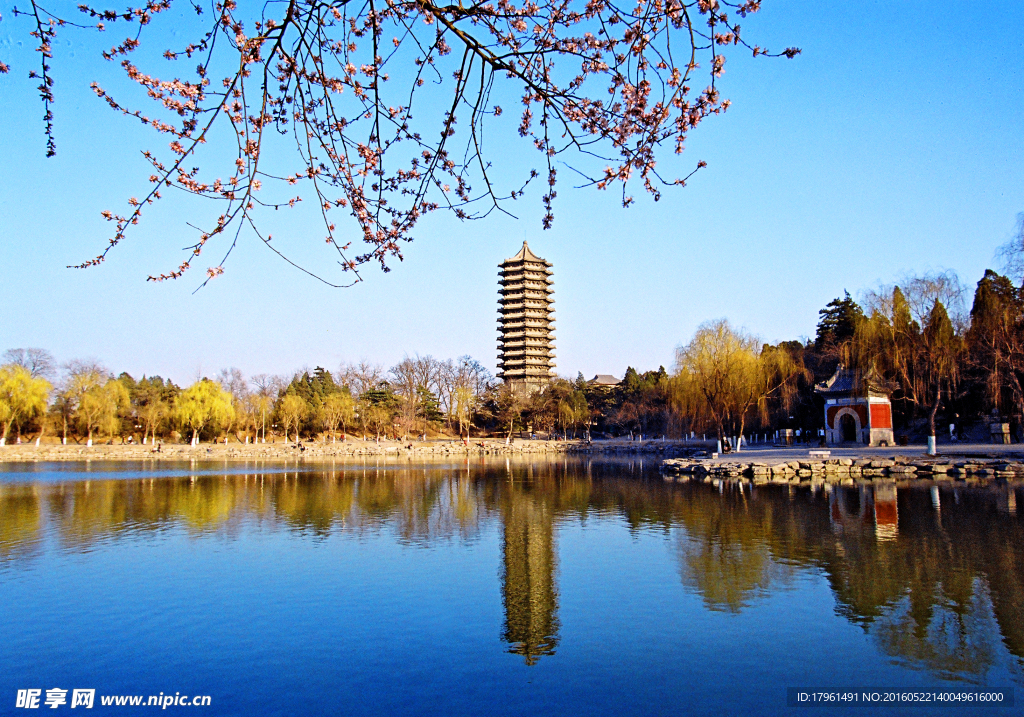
[[952, 643], [21, 522], [726, 574]]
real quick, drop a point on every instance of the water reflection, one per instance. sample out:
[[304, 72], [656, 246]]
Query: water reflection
[[528, 589], [935, 576], [724, 554], [949, 639]]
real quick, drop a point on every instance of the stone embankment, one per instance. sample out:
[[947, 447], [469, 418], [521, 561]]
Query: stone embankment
[[318, 451], [849, 471]]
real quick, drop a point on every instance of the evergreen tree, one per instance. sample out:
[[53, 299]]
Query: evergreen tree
[[996, 340], [838, 322], [314, 390], [428, 407]]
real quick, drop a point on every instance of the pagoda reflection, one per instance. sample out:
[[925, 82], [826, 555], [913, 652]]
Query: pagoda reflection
[[528, 589]]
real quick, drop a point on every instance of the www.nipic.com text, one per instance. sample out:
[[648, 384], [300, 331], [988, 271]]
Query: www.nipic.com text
[[57, 697]]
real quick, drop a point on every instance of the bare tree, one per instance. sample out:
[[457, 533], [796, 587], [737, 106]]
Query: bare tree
[[360, 377], [510, 402], [923, 290], [38, 362], [233, 381], [427, 370], [405, 377], [446, 388], [606, 88], [268, 388], [1011, 254], [460, 386], [269, 385]]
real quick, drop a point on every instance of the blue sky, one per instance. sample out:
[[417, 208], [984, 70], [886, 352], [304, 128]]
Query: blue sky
[[891, 145]]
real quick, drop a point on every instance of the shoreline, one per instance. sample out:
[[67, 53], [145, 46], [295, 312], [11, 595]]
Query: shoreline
[[314, 452], [963, 468], [688, 458]]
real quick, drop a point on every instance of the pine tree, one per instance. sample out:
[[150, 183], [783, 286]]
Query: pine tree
[[838, 323]]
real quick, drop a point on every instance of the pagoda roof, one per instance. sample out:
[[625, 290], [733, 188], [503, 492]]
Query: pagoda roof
[[525, 255]]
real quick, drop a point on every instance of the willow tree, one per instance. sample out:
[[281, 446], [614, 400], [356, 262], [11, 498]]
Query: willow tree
[[5, 418], [151, 413], [22, 397], [378, 418], [203, 404], [724, 375], [573, 411], [100, 408], [292, 410], [942, 350], [885, 340], [382, 109], [464, 402], [509, 403], [78, 377], [888, 341], [913, 335], [1012, 253], [339, 409], [261, 404]]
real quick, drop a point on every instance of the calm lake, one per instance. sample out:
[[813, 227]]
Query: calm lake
[[490, 587]]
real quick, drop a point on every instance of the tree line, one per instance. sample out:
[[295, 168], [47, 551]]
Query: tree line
[[945, 362], [83, 400]]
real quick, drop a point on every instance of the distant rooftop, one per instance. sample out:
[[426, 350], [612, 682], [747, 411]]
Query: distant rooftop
[[604, 379]]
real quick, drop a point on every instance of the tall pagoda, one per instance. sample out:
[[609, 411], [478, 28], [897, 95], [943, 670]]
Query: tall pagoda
[[525, 320]]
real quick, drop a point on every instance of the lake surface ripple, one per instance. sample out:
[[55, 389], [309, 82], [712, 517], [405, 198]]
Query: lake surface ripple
[[556, 586]]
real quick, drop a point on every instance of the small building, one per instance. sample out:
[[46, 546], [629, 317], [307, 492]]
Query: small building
[[604, 380], [857, 408]]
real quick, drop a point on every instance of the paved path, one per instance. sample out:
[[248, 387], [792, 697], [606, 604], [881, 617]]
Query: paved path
[[759, 452]]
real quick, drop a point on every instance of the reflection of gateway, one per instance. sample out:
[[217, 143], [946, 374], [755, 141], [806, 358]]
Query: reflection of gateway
[[886, 513], [848, 510], [528, 580], [865, 511], [1006, 500]]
